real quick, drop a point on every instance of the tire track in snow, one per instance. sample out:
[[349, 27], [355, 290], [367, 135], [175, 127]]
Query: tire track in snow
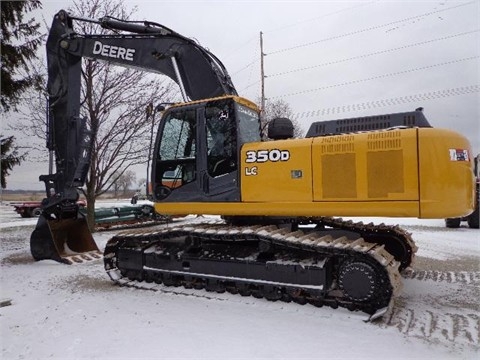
[[440, 307], [435, 326], [462, 277]]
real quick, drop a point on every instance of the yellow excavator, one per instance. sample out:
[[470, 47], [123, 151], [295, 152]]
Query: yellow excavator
[[279, 236]]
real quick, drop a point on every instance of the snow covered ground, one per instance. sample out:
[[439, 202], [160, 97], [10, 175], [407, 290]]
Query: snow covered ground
[[75, 312]]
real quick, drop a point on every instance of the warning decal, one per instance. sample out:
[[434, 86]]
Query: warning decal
[[459, 155]]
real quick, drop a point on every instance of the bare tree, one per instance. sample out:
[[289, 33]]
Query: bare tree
[[125, 180], [280, 108], [115, 186], [33, 119], [114, 100], [122, 182]]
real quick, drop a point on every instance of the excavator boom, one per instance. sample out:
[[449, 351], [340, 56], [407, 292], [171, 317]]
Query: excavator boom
[[62, 229]]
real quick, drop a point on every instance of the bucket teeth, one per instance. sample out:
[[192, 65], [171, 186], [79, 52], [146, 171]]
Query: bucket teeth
[[82, 258], [67, 241]]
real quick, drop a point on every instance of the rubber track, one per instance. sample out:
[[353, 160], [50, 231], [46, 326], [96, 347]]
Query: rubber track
[[387, 267], [396, 232], [130, 224]]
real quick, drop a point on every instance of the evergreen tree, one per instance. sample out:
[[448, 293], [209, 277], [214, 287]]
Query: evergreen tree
[[9, 158], [19, 43]]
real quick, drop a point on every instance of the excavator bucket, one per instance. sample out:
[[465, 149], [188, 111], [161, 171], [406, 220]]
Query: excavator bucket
[[67, 241]]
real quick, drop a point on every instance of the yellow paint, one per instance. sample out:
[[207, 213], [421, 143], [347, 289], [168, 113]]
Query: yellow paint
[[380, 165], [447, 187], [387, 173], [277, 181], [377, 208], [237, 99]]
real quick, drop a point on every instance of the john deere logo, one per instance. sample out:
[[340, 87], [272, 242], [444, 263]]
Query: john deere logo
[[116, 52]]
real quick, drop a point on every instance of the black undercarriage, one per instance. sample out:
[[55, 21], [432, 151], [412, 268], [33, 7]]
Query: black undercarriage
[[262, 261]]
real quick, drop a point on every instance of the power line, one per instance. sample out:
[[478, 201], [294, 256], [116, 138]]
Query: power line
[[368, 29], [389, 102], [352, 82], [257, 58], [237, 48], [246, 66], [249, 86], [380, 52], [317, 17]]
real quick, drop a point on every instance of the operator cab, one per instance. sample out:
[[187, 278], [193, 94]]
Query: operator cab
[[197, 149]]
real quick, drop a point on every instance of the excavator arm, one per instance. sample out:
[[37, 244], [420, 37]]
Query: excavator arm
[[144, 45], [148, 46]]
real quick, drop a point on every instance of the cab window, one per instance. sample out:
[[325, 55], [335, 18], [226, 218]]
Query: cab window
[[177, 151], [221, 138]]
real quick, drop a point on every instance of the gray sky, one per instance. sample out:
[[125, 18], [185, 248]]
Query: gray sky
[[332, 59]]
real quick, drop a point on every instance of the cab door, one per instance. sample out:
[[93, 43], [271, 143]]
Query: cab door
[[196, 154], [176, 161], [219, 162]]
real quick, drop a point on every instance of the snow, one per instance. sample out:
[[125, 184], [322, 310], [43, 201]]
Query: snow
[[76, 312]]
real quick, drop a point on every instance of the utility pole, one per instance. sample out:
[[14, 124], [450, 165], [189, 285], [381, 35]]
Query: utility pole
[[262, 75]]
